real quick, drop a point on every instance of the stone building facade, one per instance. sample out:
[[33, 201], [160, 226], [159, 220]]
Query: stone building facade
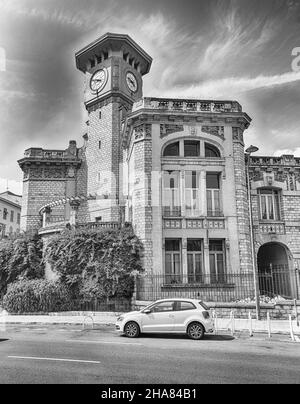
[[176, 170], [10, 214]]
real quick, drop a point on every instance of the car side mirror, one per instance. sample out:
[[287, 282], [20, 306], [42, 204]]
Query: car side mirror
[[147, 311]]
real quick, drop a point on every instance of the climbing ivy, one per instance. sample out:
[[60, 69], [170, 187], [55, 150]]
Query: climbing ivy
[[96, 264], [20, 259]]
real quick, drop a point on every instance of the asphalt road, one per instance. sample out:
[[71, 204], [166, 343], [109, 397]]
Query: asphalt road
[[66, 354]]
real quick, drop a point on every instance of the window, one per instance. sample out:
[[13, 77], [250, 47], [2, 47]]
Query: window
[[213, 195], [5, 213], [192, 193], [163, 307], [99, 177], [269, 204], [12, 215], [194, 261], [191, 148], [182, 306], [217, 261], [171, 194], [99, 144], [172, 261], [211, 151], [172, 150], [18, 218], [98, 219]]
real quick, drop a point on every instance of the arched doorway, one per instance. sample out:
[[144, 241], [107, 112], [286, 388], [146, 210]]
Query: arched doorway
[[273, 270]]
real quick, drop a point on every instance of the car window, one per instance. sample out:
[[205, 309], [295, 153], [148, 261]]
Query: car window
[[186, 306], [163, 306], [204, 306]]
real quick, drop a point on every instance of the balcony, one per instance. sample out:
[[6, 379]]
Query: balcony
[[187, 105]]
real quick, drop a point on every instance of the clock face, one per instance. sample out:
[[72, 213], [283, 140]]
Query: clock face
[[131, 82], [98, 80]]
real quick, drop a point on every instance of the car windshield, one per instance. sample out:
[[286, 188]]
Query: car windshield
[[204, 306]]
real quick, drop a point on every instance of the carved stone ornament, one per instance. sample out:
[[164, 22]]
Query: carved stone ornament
[[143, 132], [167, 129], [214, 130], [71, 172], [237, 135]]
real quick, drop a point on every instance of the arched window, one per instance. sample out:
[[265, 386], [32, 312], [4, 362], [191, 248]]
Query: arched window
[[211, 151], [172, 150]]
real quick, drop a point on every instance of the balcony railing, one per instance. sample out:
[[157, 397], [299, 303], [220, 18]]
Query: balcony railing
[[187, 105], [272, 228], [284, 160]]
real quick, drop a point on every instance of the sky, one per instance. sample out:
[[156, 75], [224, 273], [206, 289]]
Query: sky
[[205, 49]]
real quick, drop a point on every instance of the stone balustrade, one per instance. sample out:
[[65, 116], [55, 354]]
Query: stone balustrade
[[272, 228], [187, 105], [285, 160]]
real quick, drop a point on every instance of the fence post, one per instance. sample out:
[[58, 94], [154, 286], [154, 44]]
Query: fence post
[[216, 321], [250, 324], [269, 324], [232, 322], [291, 328]]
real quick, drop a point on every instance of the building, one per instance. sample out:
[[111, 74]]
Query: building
[[176, 170], [10, 214]]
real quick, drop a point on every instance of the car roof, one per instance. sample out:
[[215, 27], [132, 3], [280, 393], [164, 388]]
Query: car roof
[[178, 299]]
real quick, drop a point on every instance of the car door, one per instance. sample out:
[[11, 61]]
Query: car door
[[160, 319], [183, 311]]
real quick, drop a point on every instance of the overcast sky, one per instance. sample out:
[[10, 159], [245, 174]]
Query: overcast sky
[[206, 49]]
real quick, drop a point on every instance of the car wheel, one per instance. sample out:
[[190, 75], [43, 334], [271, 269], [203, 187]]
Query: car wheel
[[195, 330], [132, 329]]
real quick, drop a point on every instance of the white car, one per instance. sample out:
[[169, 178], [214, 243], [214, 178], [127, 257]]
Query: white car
[[189, 316]]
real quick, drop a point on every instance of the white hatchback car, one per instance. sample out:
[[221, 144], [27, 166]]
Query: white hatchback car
[[189, 316]]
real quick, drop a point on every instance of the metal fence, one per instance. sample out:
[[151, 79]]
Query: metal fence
[[219, 288]]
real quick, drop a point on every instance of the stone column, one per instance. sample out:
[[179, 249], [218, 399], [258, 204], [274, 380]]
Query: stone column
[[74, 209], [46, 215]]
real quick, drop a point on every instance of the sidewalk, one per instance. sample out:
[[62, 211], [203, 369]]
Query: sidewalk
[[109, 318]]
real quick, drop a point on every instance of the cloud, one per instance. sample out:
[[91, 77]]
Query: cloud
[[227, 87], [281, 152]]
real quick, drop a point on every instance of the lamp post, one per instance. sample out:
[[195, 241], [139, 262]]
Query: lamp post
[[249, 151]]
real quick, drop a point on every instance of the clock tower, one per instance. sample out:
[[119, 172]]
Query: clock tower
[[113, 66]]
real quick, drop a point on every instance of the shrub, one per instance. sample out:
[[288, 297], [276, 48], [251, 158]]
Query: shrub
[[33, 296]]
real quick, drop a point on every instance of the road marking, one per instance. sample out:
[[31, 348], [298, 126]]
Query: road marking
[[104, 342], [53, 359]]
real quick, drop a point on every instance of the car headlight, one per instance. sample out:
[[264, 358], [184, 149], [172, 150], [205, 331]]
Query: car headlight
[[121, 318]]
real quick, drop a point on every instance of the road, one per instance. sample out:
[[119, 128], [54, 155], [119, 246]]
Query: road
[[66, 354]]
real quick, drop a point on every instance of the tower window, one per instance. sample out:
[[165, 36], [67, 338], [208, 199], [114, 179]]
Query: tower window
[[99, 177], [92, 61], [100, 115], [99, 144]]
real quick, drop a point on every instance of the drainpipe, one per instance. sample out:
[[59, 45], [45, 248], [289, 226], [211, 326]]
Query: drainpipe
[[252, 149]]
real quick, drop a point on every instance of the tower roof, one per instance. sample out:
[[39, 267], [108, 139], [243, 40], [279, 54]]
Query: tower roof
[[113, 42]]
